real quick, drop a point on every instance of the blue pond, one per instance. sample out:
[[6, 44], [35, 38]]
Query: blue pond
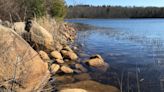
[[133, 47]]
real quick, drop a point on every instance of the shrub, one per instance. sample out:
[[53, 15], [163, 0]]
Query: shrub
[[19, 9], [35, 7], [57, 8]]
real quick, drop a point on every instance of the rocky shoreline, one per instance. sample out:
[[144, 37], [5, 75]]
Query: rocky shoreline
[[57, 62]]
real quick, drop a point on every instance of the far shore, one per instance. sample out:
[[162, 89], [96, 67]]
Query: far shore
[[108, 18]]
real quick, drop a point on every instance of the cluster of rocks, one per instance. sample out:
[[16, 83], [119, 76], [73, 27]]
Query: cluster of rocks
[[20, 63], [66, 61], [56, 57], [36, 54]]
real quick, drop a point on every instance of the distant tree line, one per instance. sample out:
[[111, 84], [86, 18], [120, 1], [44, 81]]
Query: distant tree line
[[87, 11], [20, 9]]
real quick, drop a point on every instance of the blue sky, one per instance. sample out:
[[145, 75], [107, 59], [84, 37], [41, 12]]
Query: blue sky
[[158, 3]]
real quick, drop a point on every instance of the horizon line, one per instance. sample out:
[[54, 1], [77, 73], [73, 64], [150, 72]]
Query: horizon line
[[113, 5]]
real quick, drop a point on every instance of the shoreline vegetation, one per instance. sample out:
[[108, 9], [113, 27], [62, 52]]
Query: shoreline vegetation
[[107, 11]]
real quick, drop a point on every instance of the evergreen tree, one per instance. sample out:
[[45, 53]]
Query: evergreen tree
[[35, 7], [58, 8]]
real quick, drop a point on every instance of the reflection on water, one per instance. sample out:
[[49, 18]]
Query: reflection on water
[[133, 48]]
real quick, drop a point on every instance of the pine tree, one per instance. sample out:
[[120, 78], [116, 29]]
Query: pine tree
[[58, 8]]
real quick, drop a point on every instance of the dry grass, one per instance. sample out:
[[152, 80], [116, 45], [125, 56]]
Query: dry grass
[[57, 29], [48, 23]]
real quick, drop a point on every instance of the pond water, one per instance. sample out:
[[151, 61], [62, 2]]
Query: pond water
[[134, 48]]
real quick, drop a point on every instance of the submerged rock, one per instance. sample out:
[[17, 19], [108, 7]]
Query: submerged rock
[[20, 66], [82, 77], [73, 90], [96, 61], [64, 79], [90, 86]]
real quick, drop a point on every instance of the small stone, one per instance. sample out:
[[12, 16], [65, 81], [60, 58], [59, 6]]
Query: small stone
[[56, 55], [59, 61], [44, 56], [66, 69], [54, 68], [69, 54], [96, 61], [75, 48]]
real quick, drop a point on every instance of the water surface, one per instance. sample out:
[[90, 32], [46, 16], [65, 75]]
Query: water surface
[[133, 47]]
